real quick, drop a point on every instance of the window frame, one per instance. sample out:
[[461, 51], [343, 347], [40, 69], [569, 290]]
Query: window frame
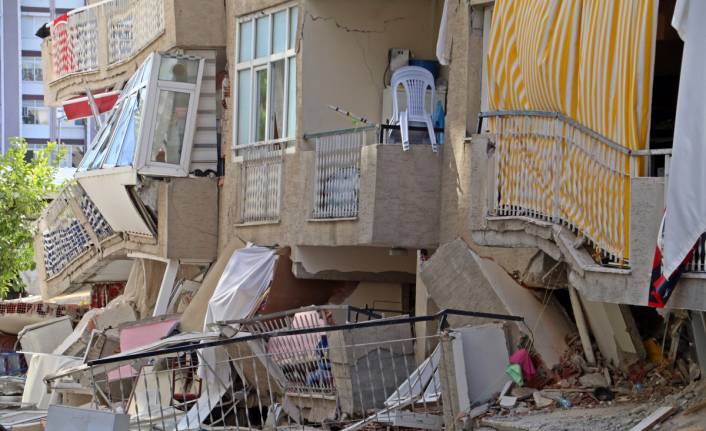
[[265, 63], [149, 83], [36, 104], [37, 19], [36, 63], [155, 86]]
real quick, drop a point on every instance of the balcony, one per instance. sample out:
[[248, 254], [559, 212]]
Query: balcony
[[99, 46], [76, 244], [348, 190], [542, 180]]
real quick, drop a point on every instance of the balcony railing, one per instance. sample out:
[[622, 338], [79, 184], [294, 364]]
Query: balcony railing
[[121, 27], [337, 171], [67, 238], [550, 168], [261, 184]]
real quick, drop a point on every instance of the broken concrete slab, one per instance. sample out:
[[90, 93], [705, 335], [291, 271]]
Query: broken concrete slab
[[115, 315], [456, 277], [508, 402], [540, 401], [41, 365], [654, 418], [195, 313], [593, 380], [15, 419], [615, 331], [44, 337]]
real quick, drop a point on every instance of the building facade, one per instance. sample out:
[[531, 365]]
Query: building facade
[[558, 183], [24, 112]]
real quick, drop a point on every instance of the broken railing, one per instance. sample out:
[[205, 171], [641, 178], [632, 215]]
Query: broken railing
[[348, 375], [123, 27], [550, 168], [72, 227], [261, 183]]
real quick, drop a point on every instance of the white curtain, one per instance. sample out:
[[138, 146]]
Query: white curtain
[[685, 214]]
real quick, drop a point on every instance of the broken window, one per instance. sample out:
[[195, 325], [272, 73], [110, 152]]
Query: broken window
[[266, 77], [151, 126]]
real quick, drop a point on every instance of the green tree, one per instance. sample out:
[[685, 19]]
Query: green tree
[[26, 182]]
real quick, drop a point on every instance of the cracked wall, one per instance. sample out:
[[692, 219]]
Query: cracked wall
[[345, 54]]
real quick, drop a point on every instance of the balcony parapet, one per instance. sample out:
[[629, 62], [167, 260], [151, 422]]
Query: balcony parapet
[[99, 46]]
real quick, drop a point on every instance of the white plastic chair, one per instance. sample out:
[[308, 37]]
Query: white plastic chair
[[415, 81]]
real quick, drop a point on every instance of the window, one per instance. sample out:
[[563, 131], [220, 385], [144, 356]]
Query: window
[[31, 23], [152, 124], [66, 162], [34, 112], [266, 77], [32, 69]]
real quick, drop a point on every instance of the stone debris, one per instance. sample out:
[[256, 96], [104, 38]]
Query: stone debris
[[541, 401], [593, 380]]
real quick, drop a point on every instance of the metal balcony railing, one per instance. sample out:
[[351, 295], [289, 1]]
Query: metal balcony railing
[[68, 238], [550, 168], [261, 183], [121, 27], [337, 171], [346, 374]]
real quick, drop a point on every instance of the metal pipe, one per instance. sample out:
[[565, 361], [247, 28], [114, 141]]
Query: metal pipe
[[367, 324]]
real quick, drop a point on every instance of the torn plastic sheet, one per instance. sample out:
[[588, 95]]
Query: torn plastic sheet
[[244, 281]]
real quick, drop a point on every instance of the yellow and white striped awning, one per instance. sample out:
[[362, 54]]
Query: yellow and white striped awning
[[590, 60]]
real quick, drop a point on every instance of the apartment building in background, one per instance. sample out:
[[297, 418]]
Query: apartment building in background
[[22, 110]]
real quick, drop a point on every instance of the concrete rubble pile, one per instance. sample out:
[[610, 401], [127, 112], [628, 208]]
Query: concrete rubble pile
[[256, 347]]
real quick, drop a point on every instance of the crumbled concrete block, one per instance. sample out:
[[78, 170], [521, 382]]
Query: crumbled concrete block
[[540, 401], [508, 402], [593, 380]]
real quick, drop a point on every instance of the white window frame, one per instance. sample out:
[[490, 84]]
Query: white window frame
[[147, 166], [256, 64], [37, 19], [143, 147]]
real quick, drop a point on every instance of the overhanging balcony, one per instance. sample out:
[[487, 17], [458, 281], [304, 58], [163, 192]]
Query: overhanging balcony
[[76, 244], [390, 196], [99, 46], [541, 180], [348, 189]]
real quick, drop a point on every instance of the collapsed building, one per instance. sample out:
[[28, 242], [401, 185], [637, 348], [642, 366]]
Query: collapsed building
[[282, 239]]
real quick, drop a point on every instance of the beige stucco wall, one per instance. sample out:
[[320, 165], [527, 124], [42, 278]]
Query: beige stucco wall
[[457, 190], [345, 54], [376, 295], [342, 56]]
